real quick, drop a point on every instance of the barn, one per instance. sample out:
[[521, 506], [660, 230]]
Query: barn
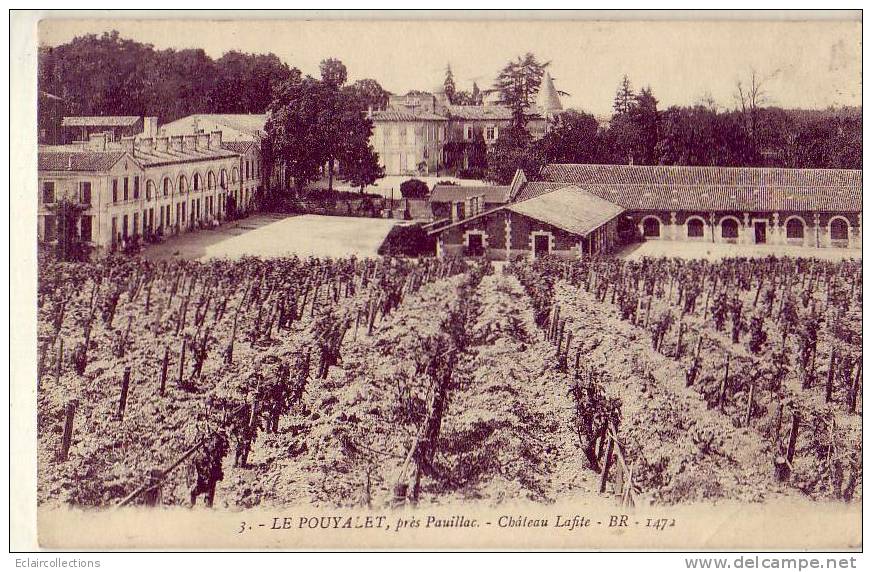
[[566, 221], [578, 209]]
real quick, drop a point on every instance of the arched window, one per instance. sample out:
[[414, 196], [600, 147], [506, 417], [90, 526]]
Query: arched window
[[149, 190], [183, 184], [651, 227], [795, 228], [235, 175], [211, 180], [695, 228], [838, 229], [729, 228], [197, 182], [166, 186], [223, 178]]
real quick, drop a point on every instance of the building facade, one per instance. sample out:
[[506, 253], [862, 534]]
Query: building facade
[[408, 143], [588, 209], [139, 187]]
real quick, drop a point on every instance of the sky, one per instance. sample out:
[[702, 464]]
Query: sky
[[806, 64]]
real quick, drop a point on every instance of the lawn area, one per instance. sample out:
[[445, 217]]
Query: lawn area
[[716, 251], [278, 235]]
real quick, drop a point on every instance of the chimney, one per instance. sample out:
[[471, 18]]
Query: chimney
[[177, 143], [149, 126], [215, 140], [203, 140], [97, 142], [161, 144], [190, 142]]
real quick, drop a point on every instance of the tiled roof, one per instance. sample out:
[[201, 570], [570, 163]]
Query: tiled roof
[[448, 193], [480, 112], [710, 188], [78, 161], [240, 147], [569, 208], [390, 115], [101, 121]]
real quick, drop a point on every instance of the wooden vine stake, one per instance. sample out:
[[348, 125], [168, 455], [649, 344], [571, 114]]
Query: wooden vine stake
[[125, 388], [163, 370], [607, 464], [67, 439]]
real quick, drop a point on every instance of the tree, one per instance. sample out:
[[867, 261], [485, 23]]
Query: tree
[[512, 151], [518, 83], [333, 72], [70, 246], [572, 138], [625, 98], [292, 129], [477, 98], [646, 117], [360, 167], [414, 189], [368, 93], [448, 85]]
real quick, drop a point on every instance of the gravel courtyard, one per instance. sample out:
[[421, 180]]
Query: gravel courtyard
[[716, 251], [277, 235]]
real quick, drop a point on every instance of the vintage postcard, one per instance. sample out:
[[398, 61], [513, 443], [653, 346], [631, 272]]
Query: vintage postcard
[[586, 281]]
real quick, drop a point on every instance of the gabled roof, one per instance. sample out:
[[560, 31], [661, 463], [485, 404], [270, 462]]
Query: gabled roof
[[449, 193], [569, 208], [709, 188], [101, 121], [78, 160], [391, 115], [251, 124]]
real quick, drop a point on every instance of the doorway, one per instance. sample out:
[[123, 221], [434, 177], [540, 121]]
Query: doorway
[[476, 245], [541, 245], [759, 233]]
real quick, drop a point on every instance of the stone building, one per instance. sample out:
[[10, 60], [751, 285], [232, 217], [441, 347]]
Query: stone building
[[407, 142], [138, 186], [584, 209], [80, 128]]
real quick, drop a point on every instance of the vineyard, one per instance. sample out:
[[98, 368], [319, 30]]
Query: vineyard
[[380, 382]]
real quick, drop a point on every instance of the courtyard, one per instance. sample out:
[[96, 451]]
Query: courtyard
[[271, 235]]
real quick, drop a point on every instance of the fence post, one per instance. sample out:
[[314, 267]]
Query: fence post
[[67, 439], [125, 388]]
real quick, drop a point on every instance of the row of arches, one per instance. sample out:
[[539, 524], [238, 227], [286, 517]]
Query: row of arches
[[794, 226], [182, 184]]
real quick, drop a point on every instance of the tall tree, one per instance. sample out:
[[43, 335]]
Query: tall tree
[[518, 83], [477, 98], [573, 137], [513, 150], [360, 166], [448, 85], [625, 97], [369, 93], [646, 117], [333, 72], [292, 129]]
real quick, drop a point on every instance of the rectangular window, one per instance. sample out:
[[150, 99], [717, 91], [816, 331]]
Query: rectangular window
[[136, 187], [114, 190], [48, 193], [86, 228], [124, 226], [467, 132], [135, 223], [114, 228], [50, 230], [246, 170], [85, 193], [491, 133], [126, 188]]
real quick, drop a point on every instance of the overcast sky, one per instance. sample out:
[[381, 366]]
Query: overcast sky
[[810, 64]]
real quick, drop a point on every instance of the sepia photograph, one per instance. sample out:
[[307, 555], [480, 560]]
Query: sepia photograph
[[462, 280]]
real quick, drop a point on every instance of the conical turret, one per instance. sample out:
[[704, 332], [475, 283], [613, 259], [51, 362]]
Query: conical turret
[[549, 100]]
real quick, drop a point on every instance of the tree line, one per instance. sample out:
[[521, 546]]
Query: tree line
[[703, 134]]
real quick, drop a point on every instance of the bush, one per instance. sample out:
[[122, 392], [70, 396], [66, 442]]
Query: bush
[[408, 241], [414, 189]]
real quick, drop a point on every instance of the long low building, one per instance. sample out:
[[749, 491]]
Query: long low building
[[142, 186], [573, 210]]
